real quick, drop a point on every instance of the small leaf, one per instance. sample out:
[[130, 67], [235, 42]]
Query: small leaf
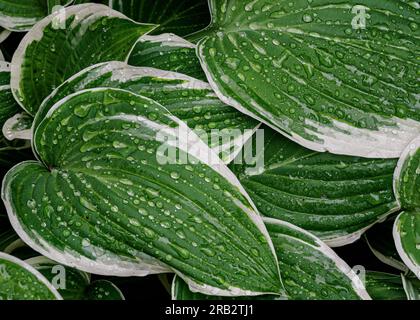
[[335, 197], [381, 243], [103, 290], [18, 127], [385, 286], [70, 283], [191, 100], [305, 70], [21, 15], [50, 54], [167, 52], [105, 203], [19, 281]]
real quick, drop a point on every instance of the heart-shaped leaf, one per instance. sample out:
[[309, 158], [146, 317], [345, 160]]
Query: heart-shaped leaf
[[193, 101], [21, 15], [407, 239], [19, 281], [333, 196], [310, 269], [167, 52], [331, 75], [105, 201], [51, 53], [381, 243]]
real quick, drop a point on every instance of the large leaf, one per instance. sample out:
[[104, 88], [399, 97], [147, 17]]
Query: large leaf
[[177, 16], [8, 105], [49, 55], [222, 127], [310, 269], [19, 281], [333, 196], [21, 15], [167, 52], [407, 239], [301, 68], [385, 286], [103, 202], [381, 243]]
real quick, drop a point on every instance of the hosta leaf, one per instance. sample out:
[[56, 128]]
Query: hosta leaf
[[103, 290], [411, 287], [19, 281], [407, 225], [8, 105], [407, 239], [167, 52], [21, 15], [222, 127], [177, 16], [302, 68], [381, 243], [70, 283], [18, 127], [48, 55], [333, 196], [385, 286], [104, 202], [310, 269]]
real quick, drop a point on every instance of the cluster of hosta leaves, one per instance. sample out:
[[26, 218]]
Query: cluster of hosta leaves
[[232, 144]]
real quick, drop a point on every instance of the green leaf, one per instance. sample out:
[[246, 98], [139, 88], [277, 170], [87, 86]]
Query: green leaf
[[381, 243], [333, 196], [411, 287], [8, 106], [18, 127], [104, 202], [385, 286], [223, 128], [21, 15], [167, 52], [177, 16], [310, 269], [103, 290], [19, 281], [407, 225], [301, 68], [69, 282], [406, 236], [407, 177], [48, 54]]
